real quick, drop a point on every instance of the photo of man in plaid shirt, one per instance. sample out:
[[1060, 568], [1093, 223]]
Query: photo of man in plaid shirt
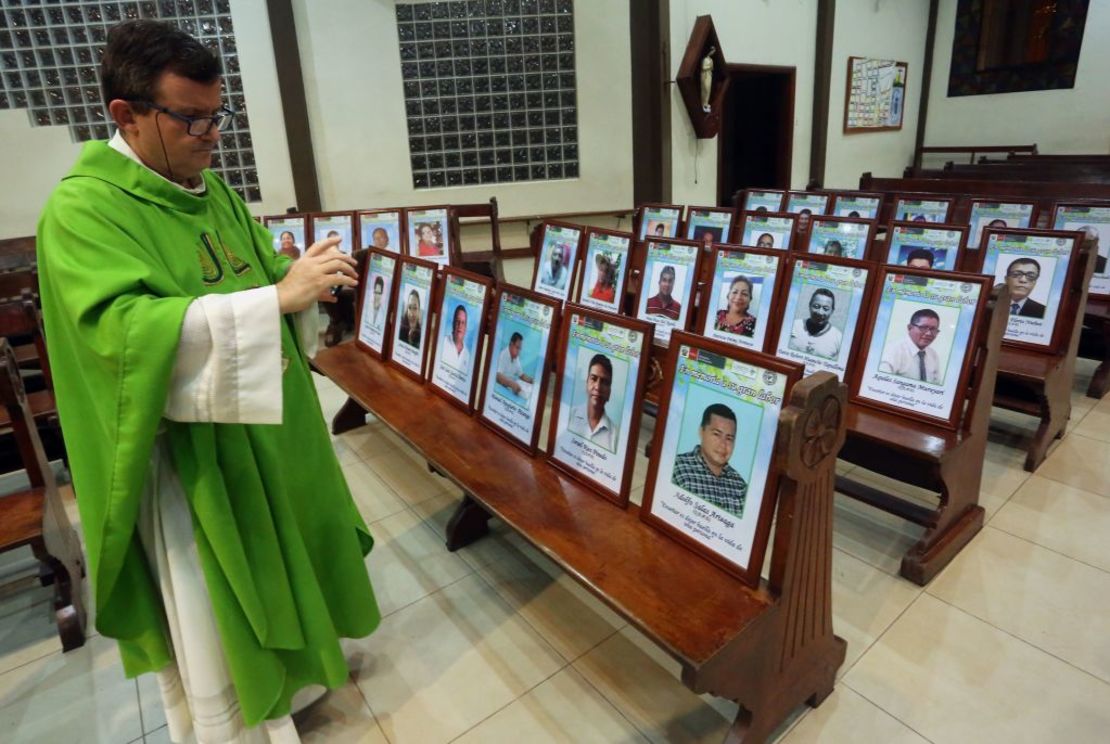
[[704, 471]]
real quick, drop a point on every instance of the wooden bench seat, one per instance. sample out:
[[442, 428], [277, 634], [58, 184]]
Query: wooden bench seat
[[1095, 344], [770, 648]]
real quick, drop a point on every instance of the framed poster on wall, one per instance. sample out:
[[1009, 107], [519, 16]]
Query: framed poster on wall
[[876, 95]]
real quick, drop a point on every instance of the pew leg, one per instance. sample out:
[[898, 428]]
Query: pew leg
[[469, 522], [350, 416], [1055, 412], [958, 519], [69, 610], [1100, 381]]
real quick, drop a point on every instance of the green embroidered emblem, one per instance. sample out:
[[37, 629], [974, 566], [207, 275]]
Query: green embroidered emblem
[[211, 271], [238, 265]]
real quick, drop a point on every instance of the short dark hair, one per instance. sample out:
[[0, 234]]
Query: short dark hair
[[287, 232], [459, 307], [922, 253], [137, 54], [924, 313], [1024, 260], [668, 269], [515, 337], [379, 282], [600, 360], [823, 292], [717, 409]]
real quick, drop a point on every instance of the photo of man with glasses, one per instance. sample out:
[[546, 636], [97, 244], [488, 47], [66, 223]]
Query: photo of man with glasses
[[912, 355], [1021, 277]]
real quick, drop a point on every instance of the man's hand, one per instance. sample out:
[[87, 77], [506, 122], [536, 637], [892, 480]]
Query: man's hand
[[311, 276], [515, 387]]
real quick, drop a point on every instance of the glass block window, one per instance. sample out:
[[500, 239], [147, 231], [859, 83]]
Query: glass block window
[[50, 65], [490, 92]]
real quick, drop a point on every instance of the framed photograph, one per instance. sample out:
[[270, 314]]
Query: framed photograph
[[383, 229], [290, 233], [856, 204], [806, 202], [741, 304], [379, 279], [595, 414], [709, 225], [767, 230], [430, 235], [713, 476], [669, 280], [1094, 221], [763, 200], [334, 225], [993, 213], [460, 327], [659, 221], [821, 313], [914, 209], [920, 246], [517, 355], [1037, 266], [604, 270], [840, 237], [414, 295], [916, 345], [557, 260]]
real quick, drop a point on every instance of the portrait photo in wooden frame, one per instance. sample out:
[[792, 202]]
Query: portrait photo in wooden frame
[[290, 233], [766, 230], [431, 234], [762, 200], [383, 229], [838, 237], [602, 365], [709, 225], [1094, 220], [519, 346], [933, 208], [862, 204], [995, 212], [412, 312], [378, 269], [711, 484], [668, 286], [910, 311], [330, 224], [923, 246], [605, 265], [809, 202], [823, 306], [460, 328], [658, 221], [740, 315], [1038, 266], [557, 258]]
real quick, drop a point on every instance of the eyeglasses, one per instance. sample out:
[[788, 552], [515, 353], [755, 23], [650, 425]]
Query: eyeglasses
[[1030, 275], [934, 330], [196, 126]]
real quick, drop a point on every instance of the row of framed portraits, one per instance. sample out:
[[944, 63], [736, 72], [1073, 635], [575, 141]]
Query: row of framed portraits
[[429, 233]]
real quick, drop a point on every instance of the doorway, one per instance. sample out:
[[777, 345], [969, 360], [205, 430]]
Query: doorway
[[757, 130]]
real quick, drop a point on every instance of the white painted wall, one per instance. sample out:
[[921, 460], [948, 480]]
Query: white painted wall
[[768, 32], [881, 29], [33, 160], [352, 72], [1073, 120]]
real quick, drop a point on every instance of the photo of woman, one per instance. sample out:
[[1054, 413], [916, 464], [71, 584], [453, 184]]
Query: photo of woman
[[605, 288], [410, 321], [736, 318]]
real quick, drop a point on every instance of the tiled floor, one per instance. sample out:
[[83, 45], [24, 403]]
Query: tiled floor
[[495, 644]]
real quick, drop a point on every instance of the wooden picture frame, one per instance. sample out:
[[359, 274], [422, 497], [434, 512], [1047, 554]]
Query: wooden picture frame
[[371, 223], [1088, 216], [920, 207], [1056, 302], [679, 423], [870, 103], [375, 264], [684, 258], [816, 203], [569, 239], [725, 265], [592, 291], [444, 248], [343, 223], [985, 211], [652, 217], [949, 241], [762, 200], [587, 333], [812, 286], [297, 225], [825, 232], [716, 221], [412, 277], [529, 315], [753, 229], [973, 289], [844, 203], [471, 292]]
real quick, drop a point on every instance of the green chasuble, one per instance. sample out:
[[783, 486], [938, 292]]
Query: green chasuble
[[122, 253]]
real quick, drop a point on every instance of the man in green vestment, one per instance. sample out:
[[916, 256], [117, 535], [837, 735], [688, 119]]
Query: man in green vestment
[[183, 390]]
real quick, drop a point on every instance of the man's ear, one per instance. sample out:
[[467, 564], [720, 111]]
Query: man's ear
[[123, 115]]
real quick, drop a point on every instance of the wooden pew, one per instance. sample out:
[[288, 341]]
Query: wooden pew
[[1094, 343], [771, 649], [971, 151], [940, 460], [1077, 172], [20, 320], [35, 516]]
